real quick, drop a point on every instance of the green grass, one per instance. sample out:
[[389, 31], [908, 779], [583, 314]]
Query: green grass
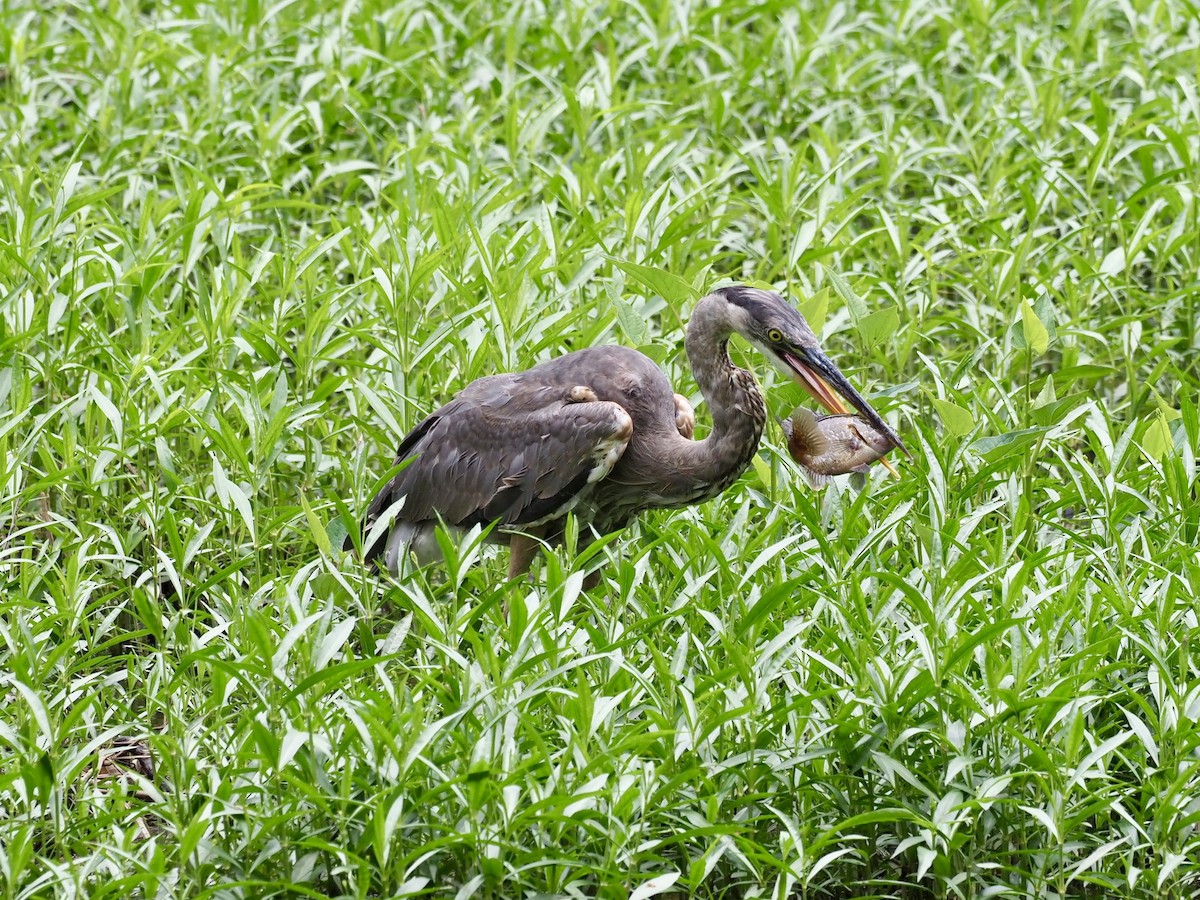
[[243, 247]]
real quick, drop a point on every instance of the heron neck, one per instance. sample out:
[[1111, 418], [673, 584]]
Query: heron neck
[[732, 395]]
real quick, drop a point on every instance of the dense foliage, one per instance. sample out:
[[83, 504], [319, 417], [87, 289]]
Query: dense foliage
[[244, 246]]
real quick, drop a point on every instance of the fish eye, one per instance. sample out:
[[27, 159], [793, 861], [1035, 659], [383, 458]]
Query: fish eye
[[774, 335]]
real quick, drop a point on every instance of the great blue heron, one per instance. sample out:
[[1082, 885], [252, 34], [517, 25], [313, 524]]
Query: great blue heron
[[598, 432]]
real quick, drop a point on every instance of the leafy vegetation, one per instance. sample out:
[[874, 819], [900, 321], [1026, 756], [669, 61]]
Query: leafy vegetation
[[244, 246]]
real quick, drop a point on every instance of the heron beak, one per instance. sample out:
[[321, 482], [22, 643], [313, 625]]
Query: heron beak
[[816, 373]]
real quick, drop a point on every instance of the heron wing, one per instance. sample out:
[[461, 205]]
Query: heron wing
[[506, 451]]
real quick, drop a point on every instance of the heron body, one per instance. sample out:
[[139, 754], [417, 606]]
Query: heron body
[[599, 433]]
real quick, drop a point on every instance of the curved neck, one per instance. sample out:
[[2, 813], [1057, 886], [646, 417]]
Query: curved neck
[[734, 401]]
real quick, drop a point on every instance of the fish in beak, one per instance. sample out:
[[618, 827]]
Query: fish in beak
[[831, 445], [816, 373]]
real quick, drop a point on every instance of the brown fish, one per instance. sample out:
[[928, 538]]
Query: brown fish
[[833, 445]]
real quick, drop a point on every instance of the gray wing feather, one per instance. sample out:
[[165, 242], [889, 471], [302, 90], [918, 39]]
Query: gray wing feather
[[502, 451]]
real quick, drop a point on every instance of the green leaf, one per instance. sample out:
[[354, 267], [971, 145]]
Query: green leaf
[[319, 534], [1053, 412], [656, 352], [1157, 441], [815, 309], [957, 420], [762, 470], [1045, 312], [666, 284], [1069, 375], [1037, 338], [633, 325], [1016, 332], [1010, 440], [879, 326], [763, 609], [1113, 263], [857, 306], [1046, 395], [232, 496], [969, 640], [1167, 411]]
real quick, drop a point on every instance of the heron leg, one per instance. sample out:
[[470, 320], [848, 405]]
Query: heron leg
[[522, 547], [592, 579], [521, 550]]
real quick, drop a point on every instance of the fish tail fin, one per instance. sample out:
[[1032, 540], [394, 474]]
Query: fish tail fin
[[815, 480]]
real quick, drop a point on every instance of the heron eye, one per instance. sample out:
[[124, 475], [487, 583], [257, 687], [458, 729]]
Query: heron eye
[[774, 335]]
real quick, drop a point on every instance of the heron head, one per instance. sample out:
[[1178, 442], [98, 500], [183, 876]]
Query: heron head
[[768, 322]]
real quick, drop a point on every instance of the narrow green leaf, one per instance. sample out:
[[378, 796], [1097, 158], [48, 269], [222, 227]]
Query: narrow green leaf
[[333, 642], [766, 605], [319, 534], [312, 254], [857, 306], [1157, 441], [970, 640], [232, 496], [659, 884], [1113, 263], [1070, 375], [110, 411]]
